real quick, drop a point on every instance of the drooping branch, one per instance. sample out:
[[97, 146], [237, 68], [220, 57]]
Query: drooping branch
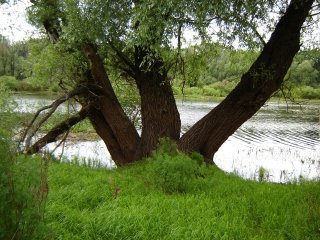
[[256, 32], [58, 130], [33, 127]]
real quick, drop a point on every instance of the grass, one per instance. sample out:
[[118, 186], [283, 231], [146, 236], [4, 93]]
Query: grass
[[23, 191], [133, 203], [168, 196]]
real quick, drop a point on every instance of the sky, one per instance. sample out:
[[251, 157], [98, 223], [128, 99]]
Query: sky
[[13, 23]]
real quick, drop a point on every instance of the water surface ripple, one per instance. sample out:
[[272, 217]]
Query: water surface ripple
[[282, 139]]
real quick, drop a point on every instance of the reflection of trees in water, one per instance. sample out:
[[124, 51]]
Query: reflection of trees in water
[[313, 134]]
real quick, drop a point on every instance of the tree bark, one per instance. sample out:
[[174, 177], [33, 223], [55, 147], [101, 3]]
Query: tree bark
[[108, 117], [110, 120], [256, 86], [159, 113]]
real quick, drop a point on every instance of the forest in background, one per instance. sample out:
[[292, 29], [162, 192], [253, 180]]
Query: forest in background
[[206, 70]]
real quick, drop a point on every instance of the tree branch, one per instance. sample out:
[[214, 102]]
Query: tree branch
[[59, 129], [122, 56], [27, 136]]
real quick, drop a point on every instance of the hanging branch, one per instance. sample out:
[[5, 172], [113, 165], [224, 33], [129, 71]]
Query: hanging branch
[[59, 129], [32, 128]]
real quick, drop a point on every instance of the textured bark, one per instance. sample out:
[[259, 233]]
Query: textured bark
[[112, 117], [105, 132], [256, 86], [108, 117], [159, 113]]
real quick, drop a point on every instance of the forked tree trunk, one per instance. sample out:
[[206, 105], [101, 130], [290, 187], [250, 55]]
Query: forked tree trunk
[[256, 86], [160, 117]]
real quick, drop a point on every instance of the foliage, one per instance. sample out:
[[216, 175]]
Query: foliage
[[23, 192], [13, 84], [11, 57], [4, 94], [48, 67], [123, 204], [122, 26], [208, 63], [171, 171], [210, 69], [306, 92], [305, 70], [4, 55]]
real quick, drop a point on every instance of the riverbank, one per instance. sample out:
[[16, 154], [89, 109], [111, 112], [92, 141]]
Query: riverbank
[[125, 203], [208, 93], [169, 196]]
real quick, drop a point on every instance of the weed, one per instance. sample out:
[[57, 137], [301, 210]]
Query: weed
[[23, 192]]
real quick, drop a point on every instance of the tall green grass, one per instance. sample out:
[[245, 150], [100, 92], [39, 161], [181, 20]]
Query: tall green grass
[[23, 191], [150, 200]]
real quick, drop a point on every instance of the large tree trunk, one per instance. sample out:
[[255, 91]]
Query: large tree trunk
[[159, 113], [109, 119], [256, 86]]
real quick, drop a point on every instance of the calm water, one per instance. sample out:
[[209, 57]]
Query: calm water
[[282, 139]]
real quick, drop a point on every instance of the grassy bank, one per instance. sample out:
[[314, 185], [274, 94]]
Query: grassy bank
[[219, 90], [213, 92], [137, 202], [169, 196]]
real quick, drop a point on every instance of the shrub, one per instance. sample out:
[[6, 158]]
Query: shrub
[[307, 92], [13, 84], [171, 171], [207, 91], [192, 91], [23, 190]]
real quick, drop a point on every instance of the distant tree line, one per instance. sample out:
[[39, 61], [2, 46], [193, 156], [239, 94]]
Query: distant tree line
[[204, 68], [34, 60]]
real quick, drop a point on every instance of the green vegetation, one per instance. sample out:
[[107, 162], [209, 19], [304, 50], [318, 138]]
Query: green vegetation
[[210, 72], [23, 192], [168, 196], [137, 202]]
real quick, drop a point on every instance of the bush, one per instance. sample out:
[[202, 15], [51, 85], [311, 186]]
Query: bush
[[23, 190], [192, 91], [13, 84], [171, 171], [307, 92], [207, 91]]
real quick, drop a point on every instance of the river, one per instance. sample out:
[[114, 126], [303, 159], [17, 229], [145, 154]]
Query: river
[[281, 140]]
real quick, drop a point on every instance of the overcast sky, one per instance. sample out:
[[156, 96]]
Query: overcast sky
[[13, 22]]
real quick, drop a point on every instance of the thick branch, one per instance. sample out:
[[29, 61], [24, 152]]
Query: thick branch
[[122, 57], [51, 23], [122, 128], [256, 86]]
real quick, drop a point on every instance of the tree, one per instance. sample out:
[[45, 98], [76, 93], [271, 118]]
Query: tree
[[132, 39], [4, 55]]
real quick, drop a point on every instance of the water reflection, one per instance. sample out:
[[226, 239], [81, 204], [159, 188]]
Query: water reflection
[[282, 139]]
